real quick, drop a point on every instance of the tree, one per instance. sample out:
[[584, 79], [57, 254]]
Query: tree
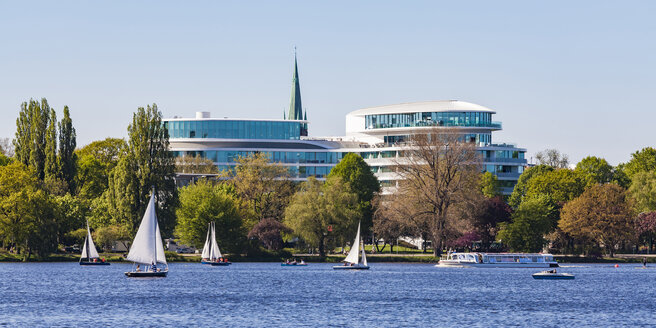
[[51, 168], [358, 175], [595, 170], [601, 214], [490, 186], [4, 160], [562, 185], [486, 220], [530, 222], [202, 203], [643, 191], [646, 228], [387, 225], [519, 192], [641, 161], [6, 147], [269, 232], [553, 158], [94, 163], [31, 130], [108, 235], [323, 213], [147, 164], [262, 185], [197, 165], [67, 156], [437, 170]]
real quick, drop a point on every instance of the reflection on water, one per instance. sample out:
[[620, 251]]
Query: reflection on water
[[266, 294]]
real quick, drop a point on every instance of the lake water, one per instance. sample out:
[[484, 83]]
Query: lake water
[[266, 294]]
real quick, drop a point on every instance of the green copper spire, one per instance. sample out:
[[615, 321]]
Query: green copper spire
[[295, 108]]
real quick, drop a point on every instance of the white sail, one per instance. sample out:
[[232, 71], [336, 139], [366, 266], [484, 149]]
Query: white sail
[[352, 256], [215, 247], [206, 248], [147, 247], [364, 257], [92, 252]]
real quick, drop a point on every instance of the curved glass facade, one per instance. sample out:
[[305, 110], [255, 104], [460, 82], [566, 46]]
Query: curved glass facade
[[404, 120], [234, 129], [285, 157]]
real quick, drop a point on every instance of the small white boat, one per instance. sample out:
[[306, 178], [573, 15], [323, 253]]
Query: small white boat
[[353, 260], [147, 248], [552, 274], [211, 253], [90, 255], [498, 260]]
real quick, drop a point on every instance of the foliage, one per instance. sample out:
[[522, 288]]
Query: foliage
[[323, 213], [601, 214], [51, 167], [70, 212], [646, 227], [388, 224], [262, 185], [202, 203], [643, 191], [438, 170], [6, 147], [197, 165], [562, 185], [106, 236], [4, 160], [522, 183], [596, 170], [30, 141], [553, 158], [643, 160], [490, 186], [492, 212], [530, 222], [269, 232], [94, 163], [147, 164], [358, 175], [67, 143]]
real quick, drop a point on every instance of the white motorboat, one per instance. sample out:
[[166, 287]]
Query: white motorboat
[[353, 261], [552, 274], [498, 260]]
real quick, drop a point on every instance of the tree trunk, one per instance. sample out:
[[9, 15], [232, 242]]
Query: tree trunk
[[322, 250]]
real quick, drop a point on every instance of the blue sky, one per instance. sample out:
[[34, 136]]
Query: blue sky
[[576, 76]]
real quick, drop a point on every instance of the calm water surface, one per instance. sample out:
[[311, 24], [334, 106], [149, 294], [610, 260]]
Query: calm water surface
[[266, 294]]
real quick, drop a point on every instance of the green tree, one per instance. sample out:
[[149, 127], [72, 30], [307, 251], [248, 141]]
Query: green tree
[[641, 161], [4, 160], [596, 170], [530, 222], [202, 203], [147, 164], [602, 214], [197, 165], [51, 168], [490, 186], [67, 156], [643, 191], [358, 175], [31, 130], [323, 214], [108, 235], [95, 161], [561, 185], [519, 192]]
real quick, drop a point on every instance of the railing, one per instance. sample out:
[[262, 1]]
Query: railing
[[492, 124]]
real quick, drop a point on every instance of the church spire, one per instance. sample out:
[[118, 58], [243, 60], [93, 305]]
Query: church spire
[[295, 107]]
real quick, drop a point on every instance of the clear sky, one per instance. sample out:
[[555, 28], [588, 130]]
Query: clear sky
[[579, 76]]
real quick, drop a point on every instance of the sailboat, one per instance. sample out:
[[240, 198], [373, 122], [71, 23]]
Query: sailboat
[[211, 254], [89, 251], [353, 260], [147, 248]]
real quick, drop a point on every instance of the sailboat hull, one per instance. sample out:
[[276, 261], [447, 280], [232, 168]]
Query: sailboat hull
[[134, 274], [216, 263], [348, 267], [94, 263]]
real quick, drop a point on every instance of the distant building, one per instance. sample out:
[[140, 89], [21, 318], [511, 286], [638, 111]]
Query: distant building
[[376, 133]]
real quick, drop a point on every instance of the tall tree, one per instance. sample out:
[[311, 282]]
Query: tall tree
[[95, 161], [51, 167], [437, 170], [323, 214], [31, 130], [519, 192], [562, 185], [602, 214], [67, 156], [553, 158], [147, 164], [643, 191], [642, 160], [532, 220], [595, 170], [490, 186], [492, 212], [6, 147], [361, 180]]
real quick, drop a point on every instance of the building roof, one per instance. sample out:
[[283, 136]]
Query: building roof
[[424, 106], [295, 106]]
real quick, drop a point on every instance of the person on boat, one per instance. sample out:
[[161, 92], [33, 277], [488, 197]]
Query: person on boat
[[138, 268], [302, 262], [95, 260], [644, 262], [153, 267], [102, 260], [287, 261], [294, 262]]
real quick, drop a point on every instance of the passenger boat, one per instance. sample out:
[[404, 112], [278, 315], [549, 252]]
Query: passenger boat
[[353, 260], [552, 274], [302, 263], [89, 251], [211, 253], [147, 248], [498, 260]]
